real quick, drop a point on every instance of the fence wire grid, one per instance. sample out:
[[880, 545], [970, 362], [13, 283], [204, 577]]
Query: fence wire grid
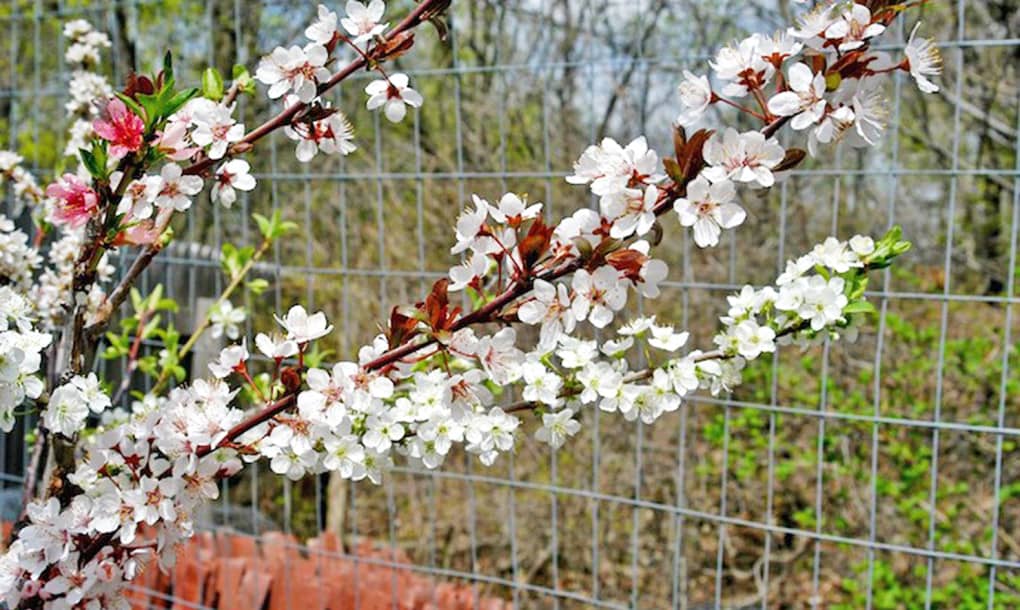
[[878, 474]]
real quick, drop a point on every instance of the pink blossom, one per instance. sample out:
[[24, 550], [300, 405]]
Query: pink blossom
[[76, 202], [144, 232], [175, 143], [121, 128]]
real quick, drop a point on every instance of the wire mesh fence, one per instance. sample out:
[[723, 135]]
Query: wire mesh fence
[[882, 474]]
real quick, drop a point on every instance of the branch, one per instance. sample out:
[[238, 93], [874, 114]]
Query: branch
[[423, 11], [415, 18], [269, 412], [123, 289], [262, 416]]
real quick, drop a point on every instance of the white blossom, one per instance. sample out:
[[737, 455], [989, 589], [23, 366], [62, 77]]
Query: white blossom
[[869, 111], [138, 196], [742, 157], [549, 306], [609, 168], [667, 339], [709, 208], [226, 320], [923, 61], [66, 411], [232, 176], [742, 66], [303, 328], [324, 29], [557, 427], [230, 359], [862, 245], [752, 339], [362, 22], [473, 268], [331, 135], [853, 27], [632, 211], [695, 97], [513, 209], [393, 95], [805, 101], [541, 384], [176, 189], [217, 129], [297, 69], [598, 295]]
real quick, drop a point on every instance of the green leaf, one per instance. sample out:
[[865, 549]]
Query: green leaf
[[265, 228], [212, 84], [258, 286], [178, 100], [273, 227], [228, 260], [136, 300], [168, 66], [832, 81], [95, 160], [859, 307], [151, 327], [242, 78], [167, 305], [155, 296], [152, 105], [132, 104]]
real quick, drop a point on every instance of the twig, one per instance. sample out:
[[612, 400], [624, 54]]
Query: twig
[[284, 118], [123, 289], [164, 376]]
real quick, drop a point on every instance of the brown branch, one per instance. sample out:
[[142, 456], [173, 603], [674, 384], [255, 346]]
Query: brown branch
[[488, 312], [271, 411], [284, 118], [123, 289]]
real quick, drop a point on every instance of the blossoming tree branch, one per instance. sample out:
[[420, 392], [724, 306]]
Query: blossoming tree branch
[[110, 491]]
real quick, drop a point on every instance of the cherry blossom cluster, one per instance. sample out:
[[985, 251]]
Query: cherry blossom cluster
[[47, 280], [299, 73], [86, 87], [144, 478], [51, 293], [21, 347], [821, 75], [24, 188], [522, 357], [132, 486], [18, 259]]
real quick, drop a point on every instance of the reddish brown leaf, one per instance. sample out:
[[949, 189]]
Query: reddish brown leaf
[[291, 380], [536, 243], [692, 161], [793, 158], [673, 169], [402, 328], [136, 84], [436, 312], [679, 140], [628, 262], [394, 47]]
